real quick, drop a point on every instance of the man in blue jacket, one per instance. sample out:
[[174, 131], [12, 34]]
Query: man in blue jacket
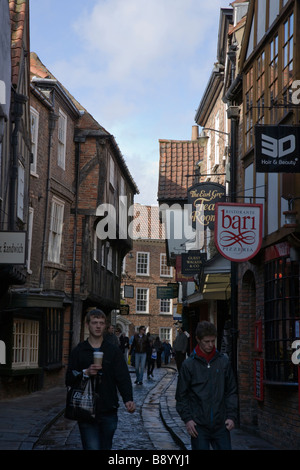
[[114, 377], [206, 395]]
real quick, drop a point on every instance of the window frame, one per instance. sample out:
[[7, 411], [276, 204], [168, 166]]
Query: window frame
[[57, 238], [28, 340], [61, 139], [34, 127], [163, 264], [145, 300], [281, 315], [139, 264]]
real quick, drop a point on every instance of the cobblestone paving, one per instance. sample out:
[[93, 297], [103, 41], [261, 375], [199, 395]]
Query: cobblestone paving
[[142, 430]]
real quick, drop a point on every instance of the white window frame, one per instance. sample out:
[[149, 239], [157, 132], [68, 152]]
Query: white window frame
[[142, 295], [62, 139], [166, 306], [103, 254], [112, 171], [109, 266], [140, 263], [34, 125], [208, 158], [123, 222], [95, 247], [21, 186], [217, 140], [56, 230], [164, 267], [25, 343], [165, 334]]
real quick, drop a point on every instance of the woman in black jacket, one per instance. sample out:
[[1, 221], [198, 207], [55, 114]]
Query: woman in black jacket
[[114, 377]]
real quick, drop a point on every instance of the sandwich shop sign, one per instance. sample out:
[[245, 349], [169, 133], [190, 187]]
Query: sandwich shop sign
[[238, 230]]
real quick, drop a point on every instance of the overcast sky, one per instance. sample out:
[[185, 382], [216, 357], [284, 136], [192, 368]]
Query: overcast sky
[[139, 67]]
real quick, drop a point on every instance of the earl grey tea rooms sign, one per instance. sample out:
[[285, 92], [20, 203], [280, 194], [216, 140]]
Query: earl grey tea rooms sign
[[277, 149]]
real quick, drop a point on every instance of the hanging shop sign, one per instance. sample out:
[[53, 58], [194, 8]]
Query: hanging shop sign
[[202, 197], [238, 230], [124, 309], [179, 276], [192, 262], [277, 149], [167, 292], [12, 247]]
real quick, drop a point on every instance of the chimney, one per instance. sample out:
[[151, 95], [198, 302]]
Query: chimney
[[195, 132]]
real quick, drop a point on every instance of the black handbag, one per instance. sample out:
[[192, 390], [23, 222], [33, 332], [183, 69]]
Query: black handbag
[[81, 402]]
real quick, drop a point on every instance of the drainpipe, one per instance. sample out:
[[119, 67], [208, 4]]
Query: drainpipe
[[51, 127], [19, 101], [78, 140], [233, 113]]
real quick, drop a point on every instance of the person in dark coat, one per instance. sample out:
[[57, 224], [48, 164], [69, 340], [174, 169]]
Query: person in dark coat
[[206, 394], [114, 378]]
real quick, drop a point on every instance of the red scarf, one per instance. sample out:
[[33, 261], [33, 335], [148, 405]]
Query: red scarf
[[207, 357]]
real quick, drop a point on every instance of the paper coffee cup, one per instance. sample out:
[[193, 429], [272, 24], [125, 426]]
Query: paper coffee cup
[[98, 357]]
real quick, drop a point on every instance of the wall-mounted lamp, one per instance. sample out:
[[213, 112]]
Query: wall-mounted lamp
[[203, 137], [130, 256]]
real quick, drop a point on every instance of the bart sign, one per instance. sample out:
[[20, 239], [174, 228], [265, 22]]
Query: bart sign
[[238, 230]]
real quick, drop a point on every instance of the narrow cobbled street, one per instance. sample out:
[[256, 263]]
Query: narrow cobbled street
[[143, 430]]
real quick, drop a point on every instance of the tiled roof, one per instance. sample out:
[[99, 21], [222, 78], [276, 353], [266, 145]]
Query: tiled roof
[[147, 224], [178, 159], [18, 18]]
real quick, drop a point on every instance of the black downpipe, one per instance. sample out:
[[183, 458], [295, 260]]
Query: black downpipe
[[234, 280], [77, 173]]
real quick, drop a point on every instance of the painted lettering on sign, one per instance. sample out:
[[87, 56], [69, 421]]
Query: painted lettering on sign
[[238, 231]]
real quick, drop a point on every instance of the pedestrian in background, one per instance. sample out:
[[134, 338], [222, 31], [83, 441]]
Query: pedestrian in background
[[124, 345], [180, 346], [115, 378], [158, 346], [139, 344], [111, 336], [206, 394], [167, 351], [151, 358]]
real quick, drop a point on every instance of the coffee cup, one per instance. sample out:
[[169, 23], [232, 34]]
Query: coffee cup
[[98, 358]]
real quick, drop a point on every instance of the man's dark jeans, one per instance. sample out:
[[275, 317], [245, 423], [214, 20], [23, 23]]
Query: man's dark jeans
[[99, 436], [219, 440]]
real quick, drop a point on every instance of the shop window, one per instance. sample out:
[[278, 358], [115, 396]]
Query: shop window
[[25, 344], [54, 324], [281, 319]]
